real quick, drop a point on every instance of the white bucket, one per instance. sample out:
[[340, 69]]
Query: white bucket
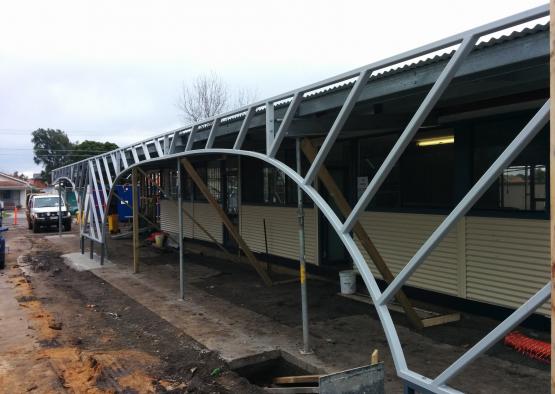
[[348, 282]]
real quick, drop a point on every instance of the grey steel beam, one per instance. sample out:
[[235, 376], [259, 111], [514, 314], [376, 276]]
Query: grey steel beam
[[166, 145], [181, 235], [302, 261], [107, 169], [539, 120], [173, 143], [406, 137], [134, 154], [191, 138], [101, 178], [115, 162], [270, 124], [145, 150], [60, 209], [244, 128], [337, 125], [95, 183], [495, 335], [212, 135], [158, 147], [285, 123], [124, 159]]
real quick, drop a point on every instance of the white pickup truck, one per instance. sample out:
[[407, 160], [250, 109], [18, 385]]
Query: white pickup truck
[[43, 209]]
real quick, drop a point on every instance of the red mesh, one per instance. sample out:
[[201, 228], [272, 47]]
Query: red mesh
[[533, 348]]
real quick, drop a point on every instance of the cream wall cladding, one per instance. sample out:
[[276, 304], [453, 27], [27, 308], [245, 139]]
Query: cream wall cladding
[[398, 236], [281, 230], [500, 261], [169, 218], [495, 260], [507, 260], [208, 217]]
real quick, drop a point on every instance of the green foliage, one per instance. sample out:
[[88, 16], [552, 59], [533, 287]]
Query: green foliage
[[53, 149], [91, 148]]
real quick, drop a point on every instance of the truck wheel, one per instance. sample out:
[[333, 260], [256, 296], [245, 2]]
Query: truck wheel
[[35, 227], [67, 226]]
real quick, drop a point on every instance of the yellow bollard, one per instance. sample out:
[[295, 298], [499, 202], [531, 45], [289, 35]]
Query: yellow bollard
[[113, 224]]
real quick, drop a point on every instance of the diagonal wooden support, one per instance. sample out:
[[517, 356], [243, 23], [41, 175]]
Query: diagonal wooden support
[[335, 192], [227, 223]]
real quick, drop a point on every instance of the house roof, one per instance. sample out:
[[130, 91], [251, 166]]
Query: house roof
[[10, 182]]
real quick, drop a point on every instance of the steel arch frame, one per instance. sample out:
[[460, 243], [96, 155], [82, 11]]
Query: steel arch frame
[[89, 175], [383, 312]]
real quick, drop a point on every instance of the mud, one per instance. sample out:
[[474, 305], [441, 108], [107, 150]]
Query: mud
[[88, 337]]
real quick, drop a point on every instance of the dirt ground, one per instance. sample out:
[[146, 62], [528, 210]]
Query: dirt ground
[[76, 332], [68, 331]]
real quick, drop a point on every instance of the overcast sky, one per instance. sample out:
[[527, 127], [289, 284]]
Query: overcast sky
[[112, 70]]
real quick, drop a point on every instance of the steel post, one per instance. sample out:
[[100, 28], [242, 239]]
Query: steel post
[[180, 219], [302, 262], [135, 203], [60, 209]]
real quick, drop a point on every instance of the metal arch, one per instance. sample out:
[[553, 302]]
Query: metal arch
[[439, 384], [330, 215], [189, 133]]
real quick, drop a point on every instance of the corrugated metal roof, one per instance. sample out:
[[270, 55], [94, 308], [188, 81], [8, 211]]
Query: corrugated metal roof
[[422, 61], [432, 58]]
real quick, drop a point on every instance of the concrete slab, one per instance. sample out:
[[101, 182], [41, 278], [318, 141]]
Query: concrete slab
[[82, 262], [51, 237], [238, 334]]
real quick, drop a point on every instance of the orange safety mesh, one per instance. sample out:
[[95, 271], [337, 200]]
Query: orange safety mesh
[[530, 347]]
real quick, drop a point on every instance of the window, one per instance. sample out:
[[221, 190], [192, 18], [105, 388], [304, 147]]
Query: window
[[214, 180], [523, 188], [264, 184], [274, 186], [422, 178], [523, 185], [427, 171]]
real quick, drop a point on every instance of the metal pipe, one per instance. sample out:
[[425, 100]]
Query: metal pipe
[[60, 209], [180, 219], [302, 262], [135, 211]]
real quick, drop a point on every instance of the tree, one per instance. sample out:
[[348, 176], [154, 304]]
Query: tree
[[17, 175], [89, 148], [53, 149], [208, 95]]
